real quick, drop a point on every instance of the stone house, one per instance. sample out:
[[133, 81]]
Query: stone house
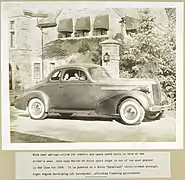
[[25, 38]]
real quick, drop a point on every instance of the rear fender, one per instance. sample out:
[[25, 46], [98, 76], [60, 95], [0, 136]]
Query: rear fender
[[110, 105], [22, 101]]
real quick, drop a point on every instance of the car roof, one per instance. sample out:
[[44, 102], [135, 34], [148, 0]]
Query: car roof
[[77, 65]]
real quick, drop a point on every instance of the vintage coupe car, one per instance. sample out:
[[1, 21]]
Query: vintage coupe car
[[88, 87]]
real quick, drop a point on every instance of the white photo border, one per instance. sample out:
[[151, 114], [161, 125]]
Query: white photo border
[[5, 104]]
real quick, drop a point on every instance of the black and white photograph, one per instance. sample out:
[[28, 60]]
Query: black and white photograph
[[92, 75]]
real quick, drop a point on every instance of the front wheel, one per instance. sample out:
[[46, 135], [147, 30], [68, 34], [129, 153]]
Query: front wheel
[[36, 109], [131, 112]]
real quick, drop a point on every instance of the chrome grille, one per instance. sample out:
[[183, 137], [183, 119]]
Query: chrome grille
[[156, 94]]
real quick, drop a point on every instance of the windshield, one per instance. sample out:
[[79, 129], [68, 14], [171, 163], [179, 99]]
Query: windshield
[[99, 73]]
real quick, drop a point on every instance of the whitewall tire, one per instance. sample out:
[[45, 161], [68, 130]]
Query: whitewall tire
[[36, 109], [131, 112]]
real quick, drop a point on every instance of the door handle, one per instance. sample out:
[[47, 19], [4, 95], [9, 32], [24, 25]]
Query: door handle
[[61, 86]]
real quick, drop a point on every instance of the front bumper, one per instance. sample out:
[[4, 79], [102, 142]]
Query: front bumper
[[159, 108], [164, 105]]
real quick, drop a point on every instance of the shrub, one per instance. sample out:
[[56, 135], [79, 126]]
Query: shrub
[[84, 47], [152, 55]]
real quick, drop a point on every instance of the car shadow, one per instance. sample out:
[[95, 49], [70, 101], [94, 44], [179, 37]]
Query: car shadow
[[86, 118], [81, 118], [75, 117], [23, 115], [148, 120]]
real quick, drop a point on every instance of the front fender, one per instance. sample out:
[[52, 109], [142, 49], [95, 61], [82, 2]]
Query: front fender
[[110, 105], [21, 102]]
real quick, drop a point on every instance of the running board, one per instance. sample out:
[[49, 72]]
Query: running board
[[84, 113], [73, 111]]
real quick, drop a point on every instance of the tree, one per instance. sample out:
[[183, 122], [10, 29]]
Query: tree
[[152, 55]]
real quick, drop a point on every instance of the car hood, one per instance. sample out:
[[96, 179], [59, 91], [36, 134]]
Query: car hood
[[128, 81]]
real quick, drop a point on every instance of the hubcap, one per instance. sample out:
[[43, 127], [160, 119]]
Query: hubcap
[[36, 108], [130, 112]]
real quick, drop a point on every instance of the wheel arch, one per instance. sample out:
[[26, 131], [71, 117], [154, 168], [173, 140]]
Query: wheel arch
[[141, 98], [40, 95], [111, 104], [123, 99]]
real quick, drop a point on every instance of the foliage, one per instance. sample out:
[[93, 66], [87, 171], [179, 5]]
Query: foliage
[[97, 55], [152, 55], [119, 36], [66, 47], [84, 47]]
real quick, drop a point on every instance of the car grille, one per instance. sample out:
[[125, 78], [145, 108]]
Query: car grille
[[156, 94]]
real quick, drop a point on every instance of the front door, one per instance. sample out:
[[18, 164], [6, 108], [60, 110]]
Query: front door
[[77, 91], [71, 89], [53, 90]]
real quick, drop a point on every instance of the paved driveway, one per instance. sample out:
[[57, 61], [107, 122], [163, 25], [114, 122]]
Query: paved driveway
[[94, 129]]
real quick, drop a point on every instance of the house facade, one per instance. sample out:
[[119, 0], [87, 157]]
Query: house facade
[[24, 49], [25, 38]]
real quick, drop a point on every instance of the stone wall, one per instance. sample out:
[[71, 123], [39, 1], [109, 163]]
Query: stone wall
[[111, 47], [21, 68], [20, 54]]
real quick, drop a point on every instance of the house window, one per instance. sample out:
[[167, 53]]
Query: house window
[[52, 66], [81, 33], [37, 71], [131, 32], [99, 32], [12, 39], [64, 34], [12, 25]]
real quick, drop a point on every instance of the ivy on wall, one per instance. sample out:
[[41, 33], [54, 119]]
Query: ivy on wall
[[66, 47]]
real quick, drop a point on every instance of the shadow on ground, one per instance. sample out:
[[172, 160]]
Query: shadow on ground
[[85, 118]]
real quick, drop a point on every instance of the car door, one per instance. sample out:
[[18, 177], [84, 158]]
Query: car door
[[76, 94], [53, 90]]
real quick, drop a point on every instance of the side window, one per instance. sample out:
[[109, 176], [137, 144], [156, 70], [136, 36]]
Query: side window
[[74, 75], [56, 76]]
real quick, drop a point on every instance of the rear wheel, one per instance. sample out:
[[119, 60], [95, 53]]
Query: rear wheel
[[36, 109], [131, 112]]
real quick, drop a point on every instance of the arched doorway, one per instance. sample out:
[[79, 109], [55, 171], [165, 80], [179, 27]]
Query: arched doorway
[[10, 76]]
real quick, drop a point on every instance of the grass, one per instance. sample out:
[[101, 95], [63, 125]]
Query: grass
[[17, 137]]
